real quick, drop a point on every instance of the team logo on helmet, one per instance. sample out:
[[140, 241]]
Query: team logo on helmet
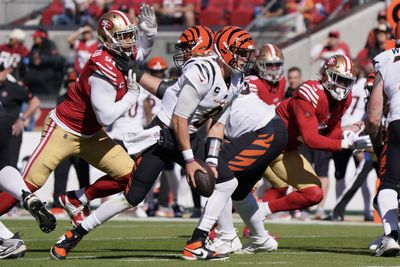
[[107, 24], [331, 62]]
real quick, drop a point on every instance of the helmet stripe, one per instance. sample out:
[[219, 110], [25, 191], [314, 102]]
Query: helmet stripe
[[272, 50], [124, 17], [347, 63]]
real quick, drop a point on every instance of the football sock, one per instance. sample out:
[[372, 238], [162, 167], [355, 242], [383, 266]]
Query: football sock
[[104, 187], [225, 221], [4, 232], [274, 193], [302, 198], [199, 234], [104, 212], [11, 181], [173, 182], [262, 187], [7, 202], [251, 215], [388, 208], [216, 203]]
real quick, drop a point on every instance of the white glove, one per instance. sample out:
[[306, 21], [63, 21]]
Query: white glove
[[132, 85], [355, 141], [147, 20]]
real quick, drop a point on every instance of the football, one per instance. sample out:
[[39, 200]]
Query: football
[[205, 182]]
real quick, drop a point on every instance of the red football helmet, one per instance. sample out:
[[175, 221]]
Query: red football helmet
[[235, 47], [194, 41]]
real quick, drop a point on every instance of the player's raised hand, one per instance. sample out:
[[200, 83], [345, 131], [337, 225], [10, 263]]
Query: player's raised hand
[[147, 20]]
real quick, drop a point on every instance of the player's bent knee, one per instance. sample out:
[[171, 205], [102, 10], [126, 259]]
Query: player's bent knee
[[124, 179], [313, 195]]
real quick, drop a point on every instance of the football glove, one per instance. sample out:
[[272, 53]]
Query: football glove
[[147, 20], [356, 141], [131, 83]]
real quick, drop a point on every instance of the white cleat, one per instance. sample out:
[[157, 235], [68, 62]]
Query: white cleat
[[257, 244], [139, 212], [388, 247], [374, 244], [12, 248], [224, 245]]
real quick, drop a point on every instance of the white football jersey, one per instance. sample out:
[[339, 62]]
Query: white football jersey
[[387, 64], [248, 114], [356, 110], [132, 121], [205, 75]]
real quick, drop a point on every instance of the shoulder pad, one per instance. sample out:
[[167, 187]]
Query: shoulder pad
[[105, 65], [310, 91]]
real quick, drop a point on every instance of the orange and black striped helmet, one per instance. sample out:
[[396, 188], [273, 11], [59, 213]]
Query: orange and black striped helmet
[[194, 41], [397, 34], [234, 46]]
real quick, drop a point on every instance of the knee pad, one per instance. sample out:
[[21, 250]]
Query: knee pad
[[313, 195], [136, 191]]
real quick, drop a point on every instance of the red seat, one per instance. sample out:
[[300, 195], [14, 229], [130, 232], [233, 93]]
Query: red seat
[[212, 17], [241, 16], [248, 3], [55, 8]]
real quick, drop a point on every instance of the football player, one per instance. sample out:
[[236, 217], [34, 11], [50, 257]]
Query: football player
[[313, 116], [205, 91], [105, 90], [386, 85], [11, 245], [268, 82]]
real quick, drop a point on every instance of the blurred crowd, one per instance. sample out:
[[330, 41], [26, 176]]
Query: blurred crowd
[[190, 12]]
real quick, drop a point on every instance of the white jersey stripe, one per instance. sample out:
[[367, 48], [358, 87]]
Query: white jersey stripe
[[306, 96], [311, 90], [307, 92], [109, 72], [107, 76]]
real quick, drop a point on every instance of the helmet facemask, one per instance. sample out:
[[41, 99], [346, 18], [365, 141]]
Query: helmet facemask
[[338, 85], [185, 54], [242, 59], [270, 70], [124, 41]]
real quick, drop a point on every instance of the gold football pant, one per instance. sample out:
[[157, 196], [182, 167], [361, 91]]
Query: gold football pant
[[291, 168], [56, 144]]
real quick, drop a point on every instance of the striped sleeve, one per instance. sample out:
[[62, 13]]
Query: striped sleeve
[[107, 72], [308, 93], [202, 75]]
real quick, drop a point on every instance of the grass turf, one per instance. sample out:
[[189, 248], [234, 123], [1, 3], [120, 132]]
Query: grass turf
[[133, 243]]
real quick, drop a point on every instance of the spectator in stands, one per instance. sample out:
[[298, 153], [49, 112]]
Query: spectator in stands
[[12, 96], [84, 47], [175, 12], [295, 79], [62, 171], [12, 52], [267, 11], [380, 42], [76, 12], [45, 65], [305, 7], [331, 46]]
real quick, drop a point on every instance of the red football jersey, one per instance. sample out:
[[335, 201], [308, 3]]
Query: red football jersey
[[314, 117], [271, 94], [76, 111], [10, 57]]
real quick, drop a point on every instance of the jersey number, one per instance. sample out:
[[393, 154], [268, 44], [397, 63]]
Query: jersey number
[[355, 101]]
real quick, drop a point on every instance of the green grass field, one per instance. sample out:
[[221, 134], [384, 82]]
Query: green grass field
[[154, 243]]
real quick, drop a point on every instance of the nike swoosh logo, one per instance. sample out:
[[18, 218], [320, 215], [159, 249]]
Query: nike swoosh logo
[[194, 253]]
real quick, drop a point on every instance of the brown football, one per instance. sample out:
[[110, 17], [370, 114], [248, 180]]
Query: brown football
[[205, 182]]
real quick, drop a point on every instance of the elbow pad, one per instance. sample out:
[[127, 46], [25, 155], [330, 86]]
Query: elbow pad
[[163, 86]]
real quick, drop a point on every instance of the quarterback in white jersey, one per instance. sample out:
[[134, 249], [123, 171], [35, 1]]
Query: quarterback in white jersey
[[386, 85]]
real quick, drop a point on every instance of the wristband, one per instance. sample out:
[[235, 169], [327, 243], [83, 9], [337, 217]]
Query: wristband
[[188, 155], [212, 161]]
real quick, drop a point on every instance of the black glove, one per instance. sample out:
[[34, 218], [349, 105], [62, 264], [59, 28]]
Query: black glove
[[124, 63]]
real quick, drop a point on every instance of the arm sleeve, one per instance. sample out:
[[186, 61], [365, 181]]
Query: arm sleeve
[[307, 124], [188, 100], [102, 95], [145, 44]]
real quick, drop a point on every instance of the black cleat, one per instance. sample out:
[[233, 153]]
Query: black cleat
[[46, 220], [64, 245]]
